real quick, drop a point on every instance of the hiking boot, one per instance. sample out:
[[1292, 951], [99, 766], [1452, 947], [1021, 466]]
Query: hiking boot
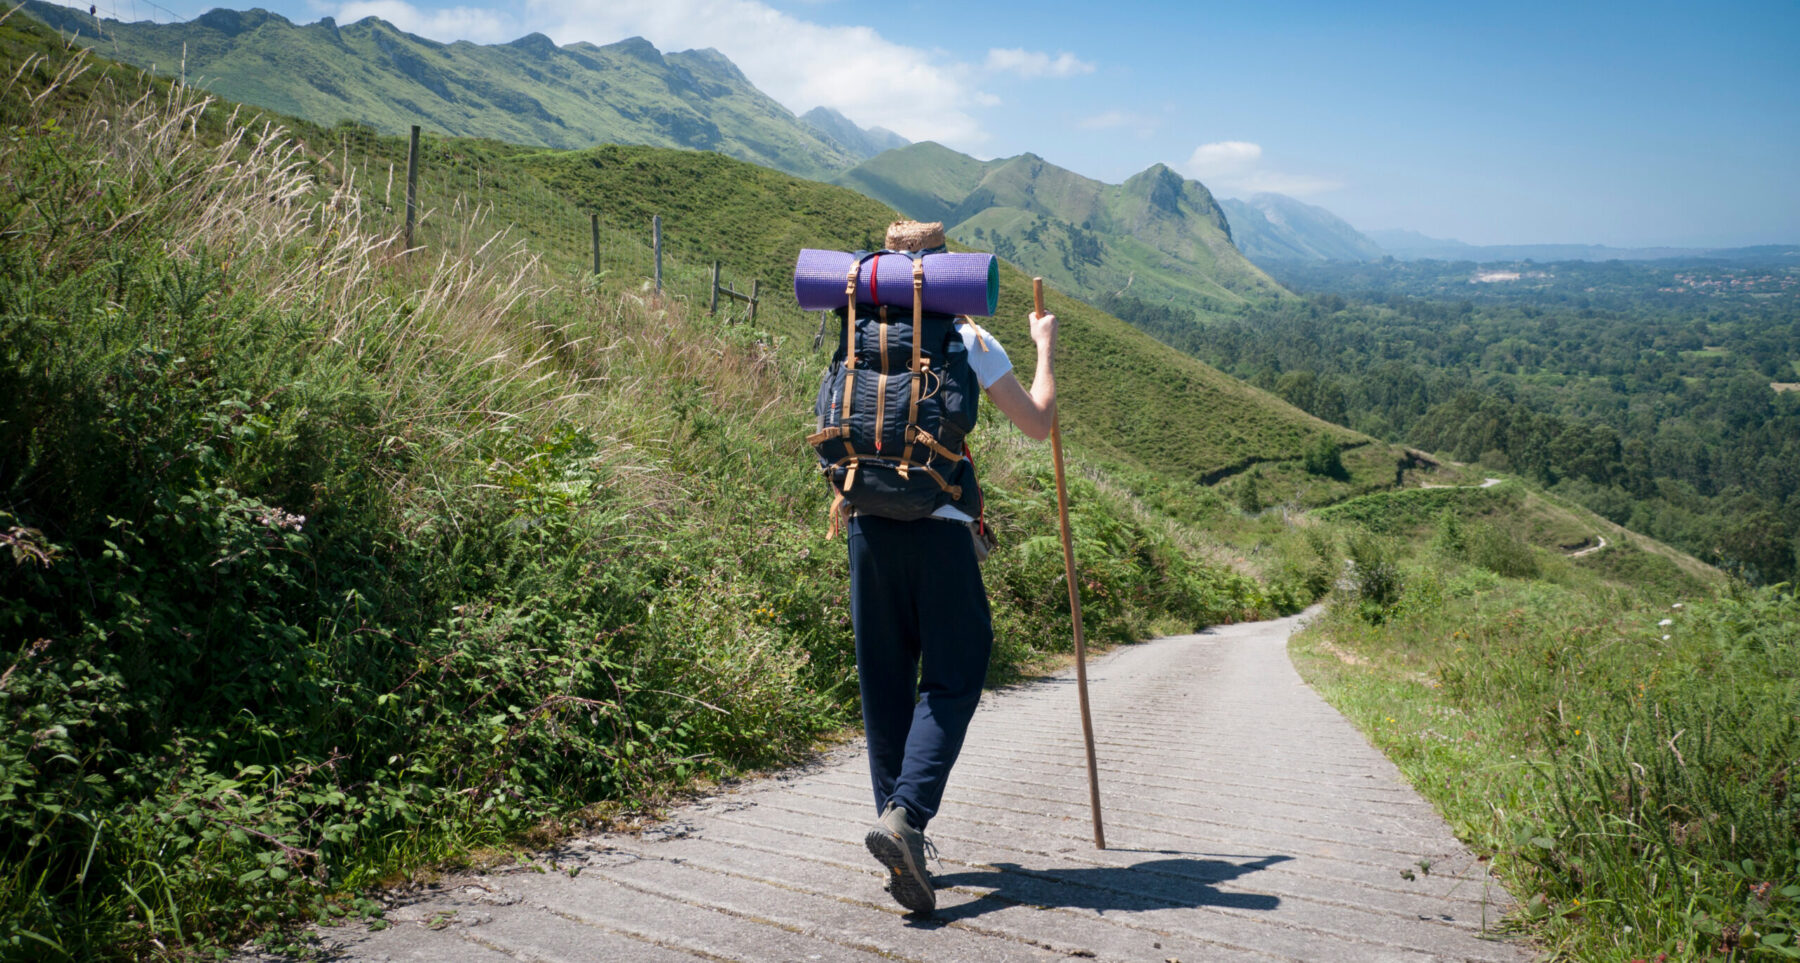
[[901, 849]]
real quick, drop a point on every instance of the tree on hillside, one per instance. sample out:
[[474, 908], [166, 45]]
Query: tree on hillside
[[1324, 459], [1249, 497]]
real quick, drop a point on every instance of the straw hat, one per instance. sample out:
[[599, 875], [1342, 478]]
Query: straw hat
[[915, 236]]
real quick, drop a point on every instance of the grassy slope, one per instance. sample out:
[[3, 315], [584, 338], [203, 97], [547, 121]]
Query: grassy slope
[[1162, 235], [528, 91], [1527, 524], [1609, 728], [1126, 396], [1540, 520], [1620, 743], [927, 180]]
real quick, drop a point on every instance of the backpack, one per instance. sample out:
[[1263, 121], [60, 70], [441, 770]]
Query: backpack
[[893, 409]]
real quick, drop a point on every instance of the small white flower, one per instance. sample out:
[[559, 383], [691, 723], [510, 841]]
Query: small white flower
[[1677, 606], [1665, 638], [1666, 622]]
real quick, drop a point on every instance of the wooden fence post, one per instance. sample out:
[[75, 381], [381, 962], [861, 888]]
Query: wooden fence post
[[754, 284], [594, 223], [412, 185], [656, 245], [712, 306]]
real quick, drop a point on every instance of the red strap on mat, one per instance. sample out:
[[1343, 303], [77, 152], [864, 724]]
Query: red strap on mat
[[874, 269]]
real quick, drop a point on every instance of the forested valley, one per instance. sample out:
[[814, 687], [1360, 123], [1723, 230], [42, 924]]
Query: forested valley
[[1659, 395]]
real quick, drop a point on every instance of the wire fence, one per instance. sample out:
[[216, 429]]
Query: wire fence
[[620, 261], [455, 185], [628, 263]]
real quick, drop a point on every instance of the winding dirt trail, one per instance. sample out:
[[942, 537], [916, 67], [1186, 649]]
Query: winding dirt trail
[[1591, 549]]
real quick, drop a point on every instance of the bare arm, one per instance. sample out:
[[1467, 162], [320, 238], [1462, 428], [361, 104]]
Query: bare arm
[[1034, 411]]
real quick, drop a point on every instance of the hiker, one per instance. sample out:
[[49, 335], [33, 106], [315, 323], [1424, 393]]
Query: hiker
[[920, 611]]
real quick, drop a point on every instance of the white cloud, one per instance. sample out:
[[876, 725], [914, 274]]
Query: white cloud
[[916, 93], [1034, 63], [447, 24], [1235, 167], [1223, 159]]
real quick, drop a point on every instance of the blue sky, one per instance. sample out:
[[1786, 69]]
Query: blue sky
[[1629, 124]]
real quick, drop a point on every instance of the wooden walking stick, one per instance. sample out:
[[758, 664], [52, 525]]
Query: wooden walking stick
[[1062, 511]]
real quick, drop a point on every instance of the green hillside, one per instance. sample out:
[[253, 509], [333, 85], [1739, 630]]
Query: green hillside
[[528, 91], [926, 181], [1126, 396], [1158, 239]]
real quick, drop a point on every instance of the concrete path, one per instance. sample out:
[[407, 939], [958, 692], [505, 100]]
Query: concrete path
[[1248, 820], [1578, 553]]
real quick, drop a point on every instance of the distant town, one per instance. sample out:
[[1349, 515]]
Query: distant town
[[1740, 281]]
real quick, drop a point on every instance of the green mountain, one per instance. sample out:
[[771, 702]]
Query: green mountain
[[1275, 227], [1157, 239], [863, 142], [528, 91]]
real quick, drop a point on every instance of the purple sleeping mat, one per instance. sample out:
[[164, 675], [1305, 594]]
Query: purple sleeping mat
[[955, 283]]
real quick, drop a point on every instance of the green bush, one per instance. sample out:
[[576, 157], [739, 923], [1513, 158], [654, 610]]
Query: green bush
[[1375, 577], [1500, 551], [1323, 458], [1248, 493]]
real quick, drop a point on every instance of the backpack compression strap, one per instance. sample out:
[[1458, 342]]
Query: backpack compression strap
[[918, 358], [849, 367], [836, 511]]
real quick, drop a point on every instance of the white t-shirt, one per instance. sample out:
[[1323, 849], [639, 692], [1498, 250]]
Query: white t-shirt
[[989, 362]]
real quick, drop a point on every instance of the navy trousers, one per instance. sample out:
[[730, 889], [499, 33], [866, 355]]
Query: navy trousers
[[923, 636]]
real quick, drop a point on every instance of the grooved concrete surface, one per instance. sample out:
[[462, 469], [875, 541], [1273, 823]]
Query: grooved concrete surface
[[1247, 820]]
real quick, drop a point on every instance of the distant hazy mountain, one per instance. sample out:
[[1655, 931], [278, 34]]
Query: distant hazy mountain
[[529, 91], [1277, 227], [864, 142], [1157, 238], [1413, 246]]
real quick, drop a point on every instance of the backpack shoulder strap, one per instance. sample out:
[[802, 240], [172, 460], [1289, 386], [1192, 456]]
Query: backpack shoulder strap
[[918, 357]]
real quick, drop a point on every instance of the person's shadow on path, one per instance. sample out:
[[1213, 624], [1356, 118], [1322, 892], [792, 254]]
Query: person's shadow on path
[[1183, 882]]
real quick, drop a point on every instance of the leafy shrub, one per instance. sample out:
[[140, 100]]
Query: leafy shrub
[[1248, 493], [1323, 563], [1375, 577], [1403, 511], [1323, 458], [1501, 552], [1452, 535]]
